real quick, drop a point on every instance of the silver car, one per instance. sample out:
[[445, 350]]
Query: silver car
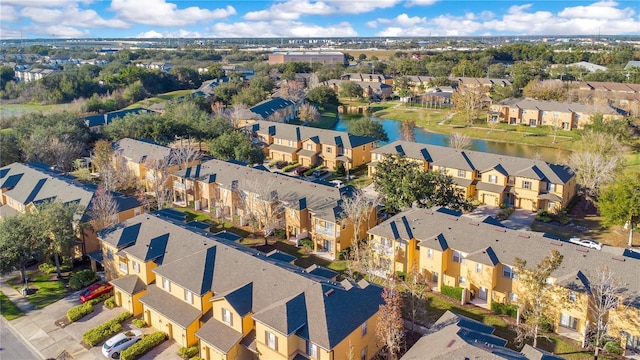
[[586, 243], [114, 346]]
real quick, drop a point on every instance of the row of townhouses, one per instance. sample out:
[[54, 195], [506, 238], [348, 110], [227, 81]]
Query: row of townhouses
[[234, 302], [479, 256], [491, 179]]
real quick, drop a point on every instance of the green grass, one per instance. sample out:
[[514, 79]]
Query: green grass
[[216, 225], [8, 309], [48, 289], [304, 259], [25, 108], [632, 161], [160, 98]]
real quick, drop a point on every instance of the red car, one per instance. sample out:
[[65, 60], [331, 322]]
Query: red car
[[94, 291]]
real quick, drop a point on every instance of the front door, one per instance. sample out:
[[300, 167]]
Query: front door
[[170, 330], [482, 294], [327, 245]]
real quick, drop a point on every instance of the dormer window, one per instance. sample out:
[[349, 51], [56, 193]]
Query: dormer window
[[227, 317], [166, 284]]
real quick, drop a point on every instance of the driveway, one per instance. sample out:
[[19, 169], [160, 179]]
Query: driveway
[[519, 220], [39, 328]]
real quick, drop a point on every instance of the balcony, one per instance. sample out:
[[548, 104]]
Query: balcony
[[328, 232], [382, 249]]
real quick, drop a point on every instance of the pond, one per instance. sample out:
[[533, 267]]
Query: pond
[[392, 127]]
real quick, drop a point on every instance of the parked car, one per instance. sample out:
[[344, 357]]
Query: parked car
[[114, 346], [586, 243], [320, 173], [300, 170], [95, 290], [337, 183]]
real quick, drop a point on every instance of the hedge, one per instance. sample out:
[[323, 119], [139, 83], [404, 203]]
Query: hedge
[[141, 347], [188, 352], [139, 323], [290, 167], [110, 302], [312, 168], [451, 291], [505, 309], [82, 278], [79, 311], [94, 336]]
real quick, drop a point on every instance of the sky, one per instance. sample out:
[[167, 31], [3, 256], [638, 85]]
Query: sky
[[28, 19]]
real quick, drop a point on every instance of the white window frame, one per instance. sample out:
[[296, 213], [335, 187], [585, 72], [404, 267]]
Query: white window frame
[[135, 266], [551, 187], [363, 353], [507, 271], [493, 179], [123, 267], [462, 173], [363, 329], [526, 184], [462, 280], [166, 284], [572, 296], [568, 321], [227, 316], [312, 350], [478, 268], [513, 297], [457, 256], [188, 296], [109, 254], [271, 340], [430, 253]]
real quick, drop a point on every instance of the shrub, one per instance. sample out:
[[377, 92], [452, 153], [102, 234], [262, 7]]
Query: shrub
[[110, 302], [94, 336], [139, 323], [544, 216], [505, 309], [307, 243], [612, 347], [309, 172], [454, 292], [281, 164], [141, 347], [47, 268], [79, 311], [188, 352], [290, 167], [99, 299], [82, 278]]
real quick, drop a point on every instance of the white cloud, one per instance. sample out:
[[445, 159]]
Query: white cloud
[[362, 6], [9, 33], [422, 2], [71, 16], [45, 3], [8, 13], [151, 34], [280, 28], [291, 10], [59, 31], [601, 10], [162, 13]]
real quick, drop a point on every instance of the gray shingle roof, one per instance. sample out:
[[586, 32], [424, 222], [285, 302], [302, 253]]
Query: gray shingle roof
[[284, 296], [170, 306], [302, 133], [438, 228], [467, 159], [219, 335], [140, 151], [129, 284]]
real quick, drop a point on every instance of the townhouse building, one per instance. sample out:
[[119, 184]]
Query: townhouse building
[[308, 57], [232, 301], [370, 89], [491, 179], [306, 145], [25, 185], [625, 96], [34, 74], [564, 115], [453, 250], [307, 209], [368, 78], [149, 161], [96, 122], [457, 336]]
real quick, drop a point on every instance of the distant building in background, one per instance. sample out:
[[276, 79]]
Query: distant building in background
[[327, 58], [589, 66]]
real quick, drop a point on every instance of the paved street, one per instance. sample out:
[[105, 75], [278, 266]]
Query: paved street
[[11, 346]]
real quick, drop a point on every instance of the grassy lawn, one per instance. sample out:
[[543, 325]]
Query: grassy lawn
[[8, 309], [25, 108], [160, 98], [328, 117], [216, 225], [47, 288], [632, 160]]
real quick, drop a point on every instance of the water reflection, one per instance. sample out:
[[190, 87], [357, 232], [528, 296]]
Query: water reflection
[[392, 127]]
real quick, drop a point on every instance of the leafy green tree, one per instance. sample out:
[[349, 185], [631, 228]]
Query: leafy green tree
[[250, 96], [215, 71], [235, 145], [264, 83], [619, 201], [6, 74], [225, 92], [350, 89], [58, 223], [402, 86], [323, 95], [134, 92], [19, 243], [368, 127], [187, 78], [536, 298], [468, 68], [403, 183], [9, 149]]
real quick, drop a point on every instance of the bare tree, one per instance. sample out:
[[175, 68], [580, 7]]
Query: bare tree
[[238, 113], [184, 155], [390, 326], [356, 210], [605, 291], [217, 108], [64, 151], [408, 130], [158, 181], [293, 90], [103, 209], [459, 141], [117, 176], [468, 101], [416, 288], [308, 113], [102, 155], [263, 203]]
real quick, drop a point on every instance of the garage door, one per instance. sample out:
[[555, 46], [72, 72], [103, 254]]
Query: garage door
[[526, 204], [490, 199]]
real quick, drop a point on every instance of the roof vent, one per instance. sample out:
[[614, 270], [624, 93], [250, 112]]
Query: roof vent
[[329, 292], [582, 249], [453, 218], [474, 224], [450, 344], [526, 236], [500, 229], [619, 258], [556, 243]]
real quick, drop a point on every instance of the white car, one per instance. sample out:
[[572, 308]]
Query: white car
[[586, 243], [337, 183], [114, 346]]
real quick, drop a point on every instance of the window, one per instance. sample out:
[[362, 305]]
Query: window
[[271, 340], [633, 342], [309, 147], [312, 349], [166, 284], [507, 271], [363, 354], [513, 297], [430, 254], [363, 328], [493, 179], [462, 173], [136, 266], [109, 254], [551, 187], [457, 257], [290, 142], [123, 267], [188, 296], [479, 268], [526, 184], [328, 149], [462, 279], [279, 141], [137, 211], [572, 296], [552, 205], [292, 213], [227, 317], [435, 277], [511, 180], [568, 321]]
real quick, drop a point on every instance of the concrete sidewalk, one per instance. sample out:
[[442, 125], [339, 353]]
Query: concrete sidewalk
[[38, 329]]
